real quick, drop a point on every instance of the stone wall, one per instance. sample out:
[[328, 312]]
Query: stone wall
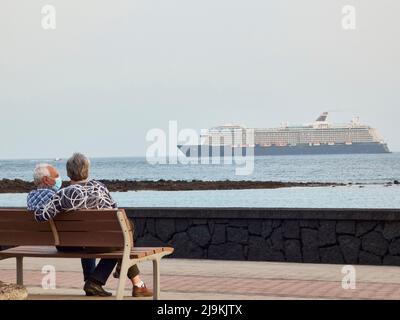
[[343, 236]]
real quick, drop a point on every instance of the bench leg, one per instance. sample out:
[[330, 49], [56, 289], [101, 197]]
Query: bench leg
[[156, 279], [20, 271], [122, 279]]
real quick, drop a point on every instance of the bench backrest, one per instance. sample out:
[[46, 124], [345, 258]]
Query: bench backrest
[[86, 228]]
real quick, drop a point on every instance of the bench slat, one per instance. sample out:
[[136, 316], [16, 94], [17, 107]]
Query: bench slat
[[87, 215], [12, 238], [24, 226], [51, 252], [94, 225], [16, 216], [91, 239]]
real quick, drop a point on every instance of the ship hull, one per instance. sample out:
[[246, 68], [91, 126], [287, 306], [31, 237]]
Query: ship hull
[[300, 149]]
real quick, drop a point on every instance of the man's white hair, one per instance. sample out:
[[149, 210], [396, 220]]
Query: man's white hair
[[41, 171]]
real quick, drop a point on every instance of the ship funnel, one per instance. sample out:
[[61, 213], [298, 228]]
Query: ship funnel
[[322, 117]]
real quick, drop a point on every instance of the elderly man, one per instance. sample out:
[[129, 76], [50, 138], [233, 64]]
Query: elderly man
[[47, 181], [84, 193]]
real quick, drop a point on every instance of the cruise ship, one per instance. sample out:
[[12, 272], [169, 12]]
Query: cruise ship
[[319, 137]]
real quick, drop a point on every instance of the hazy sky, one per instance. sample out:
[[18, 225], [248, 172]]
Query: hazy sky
[[112, 70]]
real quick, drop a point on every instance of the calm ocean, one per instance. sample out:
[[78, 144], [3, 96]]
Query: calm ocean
[[372, 170]]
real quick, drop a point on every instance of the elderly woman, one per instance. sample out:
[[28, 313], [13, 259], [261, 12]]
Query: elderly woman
[[84, 193]]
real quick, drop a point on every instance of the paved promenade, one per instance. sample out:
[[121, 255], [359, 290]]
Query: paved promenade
[[207, 279]]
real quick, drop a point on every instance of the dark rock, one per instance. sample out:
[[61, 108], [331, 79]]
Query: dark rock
[[222, 221], [309, 238], [182, 224], [327, 233], [391, 261], [346, 227], [185, 247], [219, 235], [257, 249], [139, 226], [291, 229], [274, 255], [331, 255], [149, 240], [396, 182], [211, 225], [238, 223], [293, 251], [226, 251], [151, 226], [276, 223], [364, 227], [369, 259], [200, 235], [375, 243], [165, 228], [267, 229], [199, 221], [255, 226], [350, 247], [276, 240], [379, 227], [245, 251], [391, 230], [394, 247], [311, 255], [311, 224], [238, 235]]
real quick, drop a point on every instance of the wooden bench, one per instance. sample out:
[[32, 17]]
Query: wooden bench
[[87, 228]]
